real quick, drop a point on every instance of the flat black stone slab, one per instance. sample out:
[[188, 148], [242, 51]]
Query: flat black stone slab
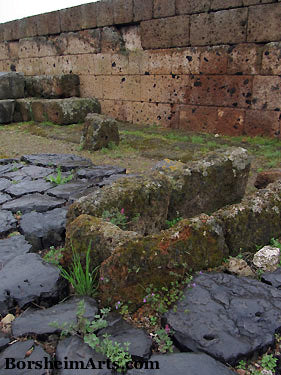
[[35, 172], [100, 171], [226, 317], [33, 202], [12, 247], [19, 351], [9, 167], [64, 191], [75, 349], [38, 321], [183, 364], [28, 187], [65, 161], [4, 184], [7, 222], [43, 230], [272, 278], [9, 160], [27, 279], [4, 198], [121, 331]]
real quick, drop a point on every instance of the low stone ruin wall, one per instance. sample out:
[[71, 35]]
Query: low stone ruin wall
[[204, 65]]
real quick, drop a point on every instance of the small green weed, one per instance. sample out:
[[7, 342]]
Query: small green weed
[[269, 362], [197, 139], [54, 255], [173, 222], [242, 365], [119, 218], [163, 340], [83, 282], [59, 180]]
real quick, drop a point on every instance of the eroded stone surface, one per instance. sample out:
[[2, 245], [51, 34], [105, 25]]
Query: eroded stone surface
[[267, 258], [249, 314], [11, 85], [28, 187], [27, 279], [11, 247], [7, 108], [4, 184], [7, 221], [38, 321], [4, 198], [33, 202], [64, 191]]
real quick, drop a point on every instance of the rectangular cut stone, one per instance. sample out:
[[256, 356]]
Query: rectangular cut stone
[[230, 121], [244, 59], [91, 86], [10, 31], [156, 88], [122, 11], [220, 90], [111, 40], [264, 23], [84, 63], [186, 61], [192, 6], [48, 23], [165, 32], [117, 109], [102, 63], [4, 51], [195, 118], [88, 15], [37, 47], [164, 8], [27, 27], [267, 92], [271, 59], [222, 4], [2, 32], [122, 88], [104, 13], [119, 64], [143, 10], [152, 113], [86, 41], [70, 19], [213, 60], [159, 62], [222, 27], [262, 123]]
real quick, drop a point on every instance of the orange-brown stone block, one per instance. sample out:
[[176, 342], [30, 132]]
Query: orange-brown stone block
[[213, 60], [244, 59], [192, 6], [111, 40], [165, 32], [230, 121], [152, 113], [4, 51], [267, 92], [225, 26], [220, 90], [164, 8], [91, 86], [88, 15], [196, 118], [119, 64], [48, 23], [271, 59], [156, 88], [143, 10], [186, 61], [70, 19], [27, 27], [122, 11], [102, 63], [104, 13], [265, 123], [264, 23], [222, 4], [122, 88]]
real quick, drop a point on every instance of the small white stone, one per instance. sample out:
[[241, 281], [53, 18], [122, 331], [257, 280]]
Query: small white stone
[[267, 258]]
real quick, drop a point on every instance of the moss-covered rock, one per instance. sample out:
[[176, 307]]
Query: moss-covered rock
[[209, 184], [101, 236], [254, 221], [194, 244], [146, 197]]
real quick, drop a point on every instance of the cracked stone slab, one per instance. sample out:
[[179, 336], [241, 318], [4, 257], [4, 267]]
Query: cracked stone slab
[[65, 161], [9, 160], [273, 278], [38, 321], [4, 184], [19, 351], [7, 222], [64, 191], [27, 278], [33, 202], [9, 167], [28, 187], [226, 317], [35, 172], [121, 331], [11, 247], [4, 198], [43, 230], [100, 171]]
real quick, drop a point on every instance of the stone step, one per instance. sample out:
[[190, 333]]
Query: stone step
[[11, 85], [52, 86], [59, 111], [7, 108]]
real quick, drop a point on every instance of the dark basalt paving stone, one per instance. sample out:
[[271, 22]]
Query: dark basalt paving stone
[[11, 248], [43, 230], [100, 171], [183, 364], [9, 167], [28, 187], [7, 222], [65, 161], [4, 341], [8, 161], [17, 176], [35, 172], [226, 317], [27, 279], [38, 321], [4, 198], [75, 349], [33, 202], [64, 191], [18, 351], [76, 195], [4, 184], [273, 278], [121, 331]]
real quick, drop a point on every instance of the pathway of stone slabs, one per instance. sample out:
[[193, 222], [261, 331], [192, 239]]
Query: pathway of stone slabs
[[221, 319]]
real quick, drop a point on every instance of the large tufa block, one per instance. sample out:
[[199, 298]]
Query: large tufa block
[[52, 87], [11, 85], [59, 111], [7, 108], [98, 132]]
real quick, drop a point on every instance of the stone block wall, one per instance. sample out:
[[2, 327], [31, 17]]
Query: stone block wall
[[202, 65]]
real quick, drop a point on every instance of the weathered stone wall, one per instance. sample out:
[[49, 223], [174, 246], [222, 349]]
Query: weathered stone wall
[[204, 65]]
